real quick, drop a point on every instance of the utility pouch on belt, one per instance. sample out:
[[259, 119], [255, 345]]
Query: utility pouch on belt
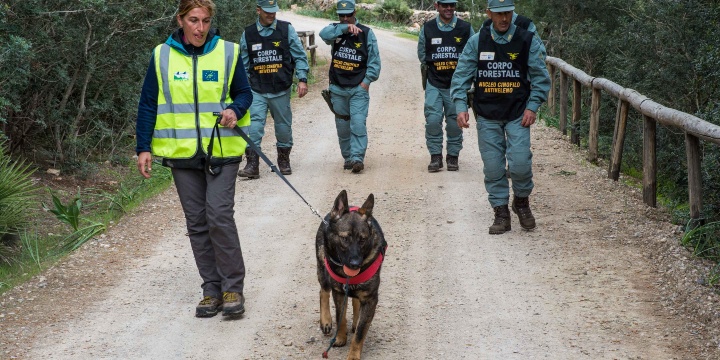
[[423, 74], [326, 95], [470, 98]]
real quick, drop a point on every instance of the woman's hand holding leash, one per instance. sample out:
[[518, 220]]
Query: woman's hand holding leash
[[229, 119]]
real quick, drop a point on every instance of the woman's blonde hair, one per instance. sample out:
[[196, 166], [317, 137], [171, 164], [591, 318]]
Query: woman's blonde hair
[[185, 6]]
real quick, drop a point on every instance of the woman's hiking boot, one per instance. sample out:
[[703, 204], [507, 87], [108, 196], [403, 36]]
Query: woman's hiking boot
[[501, 224], [233, 304], [208, 307]]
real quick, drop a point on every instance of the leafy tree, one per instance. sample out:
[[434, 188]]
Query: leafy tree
[[71, 71], [667, 50]]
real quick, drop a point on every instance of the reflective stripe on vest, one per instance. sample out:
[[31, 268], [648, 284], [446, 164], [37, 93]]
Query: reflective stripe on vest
[[183, 119]]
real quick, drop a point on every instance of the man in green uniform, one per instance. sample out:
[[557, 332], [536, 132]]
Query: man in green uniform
[[271, 52], [519, 20], [506, 65], [355, 64], [440, 43]]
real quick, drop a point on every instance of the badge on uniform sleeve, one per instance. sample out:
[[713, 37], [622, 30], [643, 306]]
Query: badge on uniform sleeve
[[436, 41], [487, 55], [256, 47]]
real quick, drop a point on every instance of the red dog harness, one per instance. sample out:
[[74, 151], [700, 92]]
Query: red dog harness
[[361, 277]]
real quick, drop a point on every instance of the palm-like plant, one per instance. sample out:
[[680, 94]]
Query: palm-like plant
[[16, 193]]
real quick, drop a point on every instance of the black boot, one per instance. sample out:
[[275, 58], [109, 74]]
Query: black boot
[[435, 163], [521, 206], [501, 224], [452, 162], [251, 169], [357, 167], [284, 160]]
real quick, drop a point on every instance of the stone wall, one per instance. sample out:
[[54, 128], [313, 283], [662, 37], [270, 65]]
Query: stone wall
[[419, 17]]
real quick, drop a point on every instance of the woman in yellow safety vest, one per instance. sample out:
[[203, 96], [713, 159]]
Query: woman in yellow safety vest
[[191, 76]]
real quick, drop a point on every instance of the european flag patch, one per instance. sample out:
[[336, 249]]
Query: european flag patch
[[210, 75]]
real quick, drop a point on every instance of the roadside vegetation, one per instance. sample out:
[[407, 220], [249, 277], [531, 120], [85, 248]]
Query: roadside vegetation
[[40, 224], [668, 51], [70, 79]]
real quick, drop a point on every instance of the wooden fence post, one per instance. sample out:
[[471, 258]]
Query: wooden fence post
[[692, 149], [562, 123], [551, 95], [649, 162], [618, 141], [576, 113], [308, 36], [304, 38], [312, 48], [594, 127]]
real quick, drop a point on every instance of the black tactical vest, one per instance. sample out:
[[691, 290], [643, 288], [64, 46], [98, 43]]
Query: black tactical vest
[[520, 21], [271, 65], [442, 50], [349, 58], [502, 88]]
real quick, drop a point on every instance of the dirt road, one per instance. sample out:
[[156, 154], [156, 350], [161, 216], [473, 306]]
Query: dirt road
[[598, 279]]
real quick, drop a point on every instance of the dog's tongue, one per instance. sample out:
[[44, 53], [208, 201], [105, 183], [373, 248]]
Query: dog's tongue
[[349, 272]]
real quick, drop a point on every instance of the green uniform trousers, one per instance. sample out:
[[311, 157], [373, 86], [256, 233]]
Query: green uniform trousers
[[502, 142], [439, 105], [279, 106], [352, 135]]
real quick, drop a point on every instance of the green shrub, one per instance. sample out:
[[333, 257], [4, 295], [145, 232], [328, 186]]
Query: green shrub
[[16, 194], [704, 240], [395, 11]]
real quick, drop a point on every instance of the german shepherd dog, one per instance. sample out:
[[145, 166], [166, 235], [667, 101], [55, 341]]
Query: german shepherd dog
[[350, 250]]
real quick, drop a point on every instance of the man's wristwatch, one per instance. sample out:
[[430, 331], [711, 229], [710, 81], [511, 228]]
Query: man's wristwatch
[[303, 80]]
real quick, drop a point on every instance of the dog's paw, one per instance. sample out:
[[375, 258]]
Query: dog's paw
[[326, 328], [340, 341]]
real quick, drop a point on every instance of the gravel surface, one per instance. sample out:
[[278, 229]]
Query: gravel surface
[[602, 277]]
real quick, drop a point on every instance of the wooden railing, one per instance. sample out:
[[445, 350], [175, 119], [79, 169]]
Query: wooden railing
[[308, 39], [693, 127]]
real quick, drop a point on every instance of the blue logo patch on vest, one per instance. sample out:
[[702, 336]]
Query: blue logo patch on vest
[[210, 75]]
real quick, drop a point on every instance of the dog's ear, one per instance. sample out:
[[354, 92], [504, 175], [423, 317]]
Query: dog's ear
[[340, 207], [366, 209]]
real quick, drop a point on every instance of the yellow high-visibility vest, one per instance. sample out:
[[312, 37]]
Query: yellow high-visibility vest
[[191, 88]]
